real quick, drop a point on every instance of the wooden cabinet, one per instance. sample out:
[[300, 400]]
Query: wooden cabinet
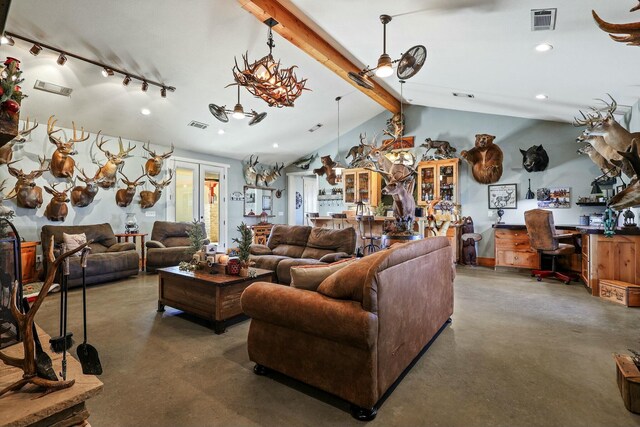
[[513, 249], [28, 255], [615, 258], [438, 180], [261, 233], [361, 185]]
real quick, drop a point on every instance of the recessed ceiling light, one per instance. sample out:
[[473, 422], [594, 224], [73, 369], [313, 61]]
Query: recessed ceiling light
[[541, 96], [145, 111], [220, 131], [544, 47], [275, 145]]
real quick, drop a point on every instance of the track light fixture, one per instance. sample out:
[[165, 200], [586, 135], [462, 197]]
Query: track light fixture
[[106, 69], [35, 49], [221, 113], [62, 59]]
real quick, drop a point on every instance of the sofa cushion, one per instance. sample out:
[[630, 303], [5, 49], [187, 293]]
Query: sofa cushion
[[283, 271], [291, 251], [310, 276], [256, 249], [334, 257], [72, 241], [267, 262], [347, 284], [296, 235], [324, 240]]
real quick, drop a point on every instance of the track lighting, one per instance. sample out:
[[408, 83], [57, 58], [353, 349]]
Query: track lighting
[[126, 81], [35, 49], [145, 85], [163, 92], [7, 40], [107, 72], [61, 59]]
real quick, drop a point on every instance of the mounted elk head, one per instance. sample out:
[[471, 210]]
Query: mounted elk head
[[6, 151], [82, 196], [124, 196], [62, 164], [5, 211], [149, 198], [28, 194], [613, 133], [153, 166], [108, 172], [57, 208], [250, 171]]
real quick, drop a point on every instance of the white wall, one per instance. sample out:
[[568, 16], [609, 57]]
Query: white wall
[[566, 168]]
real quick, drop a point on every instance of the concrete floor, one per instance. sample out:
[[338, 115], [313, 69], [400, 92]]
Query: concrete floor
[[518, 353]]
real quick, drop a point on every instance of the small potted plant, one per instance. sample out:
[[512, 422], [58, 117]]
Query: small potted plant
[[197, 239], [244, 244]]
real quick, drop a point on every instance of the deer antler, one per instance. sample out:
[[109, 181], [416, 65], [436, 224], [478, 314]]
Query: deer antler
[[168, 153], [75, 136], [26, 130], [124, 153], [148, 150]]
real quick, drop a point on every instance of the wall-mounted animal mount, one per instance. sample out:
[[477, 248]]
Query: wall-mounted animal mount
[[485, 159], [535, 158], [62, 164], [604, 165], [279, 193], [304, 162], [28, 194], [631, 31], [250, 171], [57, 208], [630, 196], [153, 166], [124, 196], [359, 153], [108, 172], [82, 196], [404, 205], [149, 198], [395, 126], [5, 211], [382, 164], [6, 151], [267, 176], [444, 150], [326, 170]]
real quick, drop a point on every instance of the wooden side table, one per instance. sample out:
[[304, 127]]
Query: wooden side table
[[134, 237], [261, 233], [28, 255]]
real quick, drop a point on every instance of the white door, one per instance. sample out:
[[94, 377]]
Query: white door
[[309, 195], [200, 193]]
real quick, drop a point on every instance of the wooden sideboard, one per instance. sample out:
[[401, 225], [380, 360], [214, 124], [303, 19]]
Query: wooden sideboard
[[261, 233]]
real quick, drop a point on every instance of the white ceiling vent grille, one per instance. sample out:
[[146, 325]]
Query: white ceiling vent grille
[[198, 125], [51, 88], [543, 19]]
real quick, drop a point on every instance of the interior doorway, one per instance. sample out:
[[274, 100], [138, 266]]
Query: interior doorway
[[302, 196]]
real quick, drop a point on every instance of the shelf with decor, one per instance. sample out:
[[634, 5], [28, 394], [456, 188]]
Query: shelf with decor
[[361, 185], [438, 180]]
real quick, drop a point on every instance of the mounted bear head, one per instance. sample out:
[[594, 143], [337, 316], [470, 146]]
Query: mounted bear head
[[535, 159]]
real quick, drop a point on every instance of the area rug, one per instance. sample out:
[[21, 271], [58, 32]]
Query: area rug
[[31, 290]]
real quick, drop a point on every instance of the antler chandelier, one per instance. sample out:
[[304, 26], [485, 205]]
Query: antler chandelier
[[265, 79]]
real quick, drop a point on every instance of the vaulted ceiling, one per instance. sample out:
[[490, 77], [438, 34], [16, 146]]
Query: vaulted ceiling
[[483, 47]]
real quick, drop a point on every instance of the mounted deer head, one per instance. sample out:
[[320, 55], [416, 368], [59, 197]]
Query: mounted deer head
[[5, 211], [62, 164], [57, 208], [124, 196], [108, 172], [250, 171], [270, 175], [404, 205], [28, 194], [82, 196], [153, 167], [149, 198], [6, 151]]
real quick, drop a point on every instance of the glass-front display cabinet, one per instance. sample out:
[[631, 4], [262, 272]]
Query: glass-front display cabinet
[[361, 185], [438, 180]]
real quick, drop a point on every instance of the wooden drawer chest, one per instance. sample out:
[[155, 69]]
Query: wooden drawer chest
[[261, 233], [513, 249], [620, 292]]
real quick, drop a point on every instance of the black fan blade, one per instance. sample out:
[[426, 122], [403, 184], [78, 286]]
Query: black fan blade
[[219, 112], [411, 62], [257, 118], [362, 81]]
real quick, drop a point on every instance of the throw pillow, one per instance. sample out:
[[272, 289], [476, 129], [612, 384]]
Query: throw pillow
[[310, 276], [72, 241], [337, 256]]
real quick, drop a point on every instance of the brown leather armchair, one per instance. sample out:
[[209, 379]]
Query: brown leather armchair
[[545, 239], [363, 327], [168, 245]]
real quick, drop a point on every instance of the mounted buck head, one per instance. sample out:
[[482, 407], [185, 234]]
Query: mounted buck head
[[115, 162], [6, 151], [149, 198], [124, 196], [250, 171], [403, 203], [82, 196], [28, 194], [153, 167], [62, 164], [57, 208]]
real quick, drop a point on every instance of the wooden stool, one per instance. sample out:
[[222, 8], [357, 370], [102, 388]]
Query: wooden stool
[[339, 216], [371, 247]]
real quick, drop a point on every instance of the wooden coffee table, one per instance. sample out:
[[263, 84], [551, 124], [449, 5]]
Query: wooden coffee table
[[214, 297]]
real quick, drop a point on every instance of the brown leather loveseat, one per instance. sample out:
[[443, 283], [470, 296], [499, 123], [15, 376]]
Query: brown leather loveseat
[[363, 326], [168, 245], [291, 245], [108, 259]]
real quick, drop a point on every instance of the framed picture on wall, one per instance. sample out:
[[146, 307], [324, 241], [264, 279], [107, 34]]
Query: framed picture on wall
[[554, 198], [503, 196]]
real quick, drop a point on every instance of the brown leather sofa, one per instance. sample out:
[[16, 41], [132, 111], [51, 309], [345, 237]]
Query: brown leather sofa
[[108, 259], [291, 245], [168, 245], [363, 327]]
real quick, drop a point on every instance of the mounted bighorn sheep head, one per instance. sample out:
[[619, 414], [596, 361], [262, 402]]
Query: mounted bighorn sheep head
[[153, 167], [62, 164], [6, 151], [108, 172], [57, 208], [124, 196], [82, 196], [28, 194], [149, 198]]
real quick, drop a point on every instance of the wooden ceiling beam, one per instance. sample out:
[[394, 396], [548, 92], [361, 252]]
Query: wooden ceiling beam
[[294, 30]]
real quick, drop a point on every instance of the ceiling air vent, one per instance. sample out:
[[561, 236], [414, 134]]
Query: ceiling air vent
[[51, 88], [463, 95], [316, 127], [198, 125], [543, 19]]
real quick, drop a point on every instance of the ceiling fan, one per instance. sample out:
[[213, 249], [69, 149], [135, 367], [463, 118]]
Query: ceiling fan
[[408, 65], [222, 113]]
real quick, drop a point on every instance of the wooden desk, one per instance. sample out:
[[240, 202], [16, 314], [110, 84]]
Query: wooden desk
[[66, 407], [134, 236]]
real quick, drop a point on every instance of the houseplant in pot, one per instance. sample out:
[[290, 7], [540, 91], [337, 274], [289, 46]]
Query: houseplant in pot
[[244, 243]]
